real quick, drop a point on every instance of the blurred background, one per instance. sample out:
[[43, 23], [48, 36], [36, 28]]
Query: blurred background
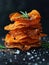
[[9, 6]]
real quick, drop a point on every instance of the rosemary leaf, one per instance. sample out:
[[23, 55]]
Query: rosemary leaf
[[45, 44], [24, 14], [1, 46]]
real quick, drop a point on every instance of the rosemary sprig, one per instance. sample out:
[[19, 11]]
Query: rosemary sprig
[[24, 14], [1, 47], [45, 44]]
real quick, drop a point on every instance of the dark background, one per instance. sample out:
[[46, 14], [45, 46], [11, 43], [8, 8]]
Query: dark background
[[9, 6]]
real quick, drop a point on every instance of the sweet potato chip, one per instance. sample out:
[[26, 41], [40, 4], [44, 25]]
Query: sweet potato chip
[[25, 32]]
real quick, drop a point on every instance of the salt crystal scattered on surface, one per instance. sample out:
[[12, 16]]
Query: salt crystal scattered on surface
[[34, 50], [35, 55], [17, 52], [43, 59], [38, 58], [28, 53], [15, 56], [23, 59], [5, 62], [46, 51], [10, 60], [31, 57]]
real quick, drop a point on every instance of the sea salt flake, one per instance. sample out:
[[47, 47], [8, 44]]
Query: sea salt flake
[[34, 50], [10, 60], [17, 52], [5, 62], [31, 57], [28, 53], [43, 59], [46, 51], [15, 56], [38, 58], [35, 55], [23, 59]]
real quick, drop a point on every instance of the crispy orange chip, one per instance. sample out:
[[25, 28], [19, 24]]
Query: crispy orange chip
[[25, 32]]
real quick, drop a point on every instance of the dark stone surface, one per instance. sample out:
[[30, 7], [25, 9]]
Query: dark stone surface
[[35, 56]]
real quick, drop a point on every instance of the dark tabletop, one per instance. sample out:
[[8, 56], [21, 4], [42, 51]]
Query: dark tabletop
[[38, 56]]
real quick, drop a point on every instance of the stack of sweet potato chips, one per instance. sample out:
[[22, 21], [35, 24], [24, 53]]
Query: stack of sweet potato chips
[[24, 32]]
